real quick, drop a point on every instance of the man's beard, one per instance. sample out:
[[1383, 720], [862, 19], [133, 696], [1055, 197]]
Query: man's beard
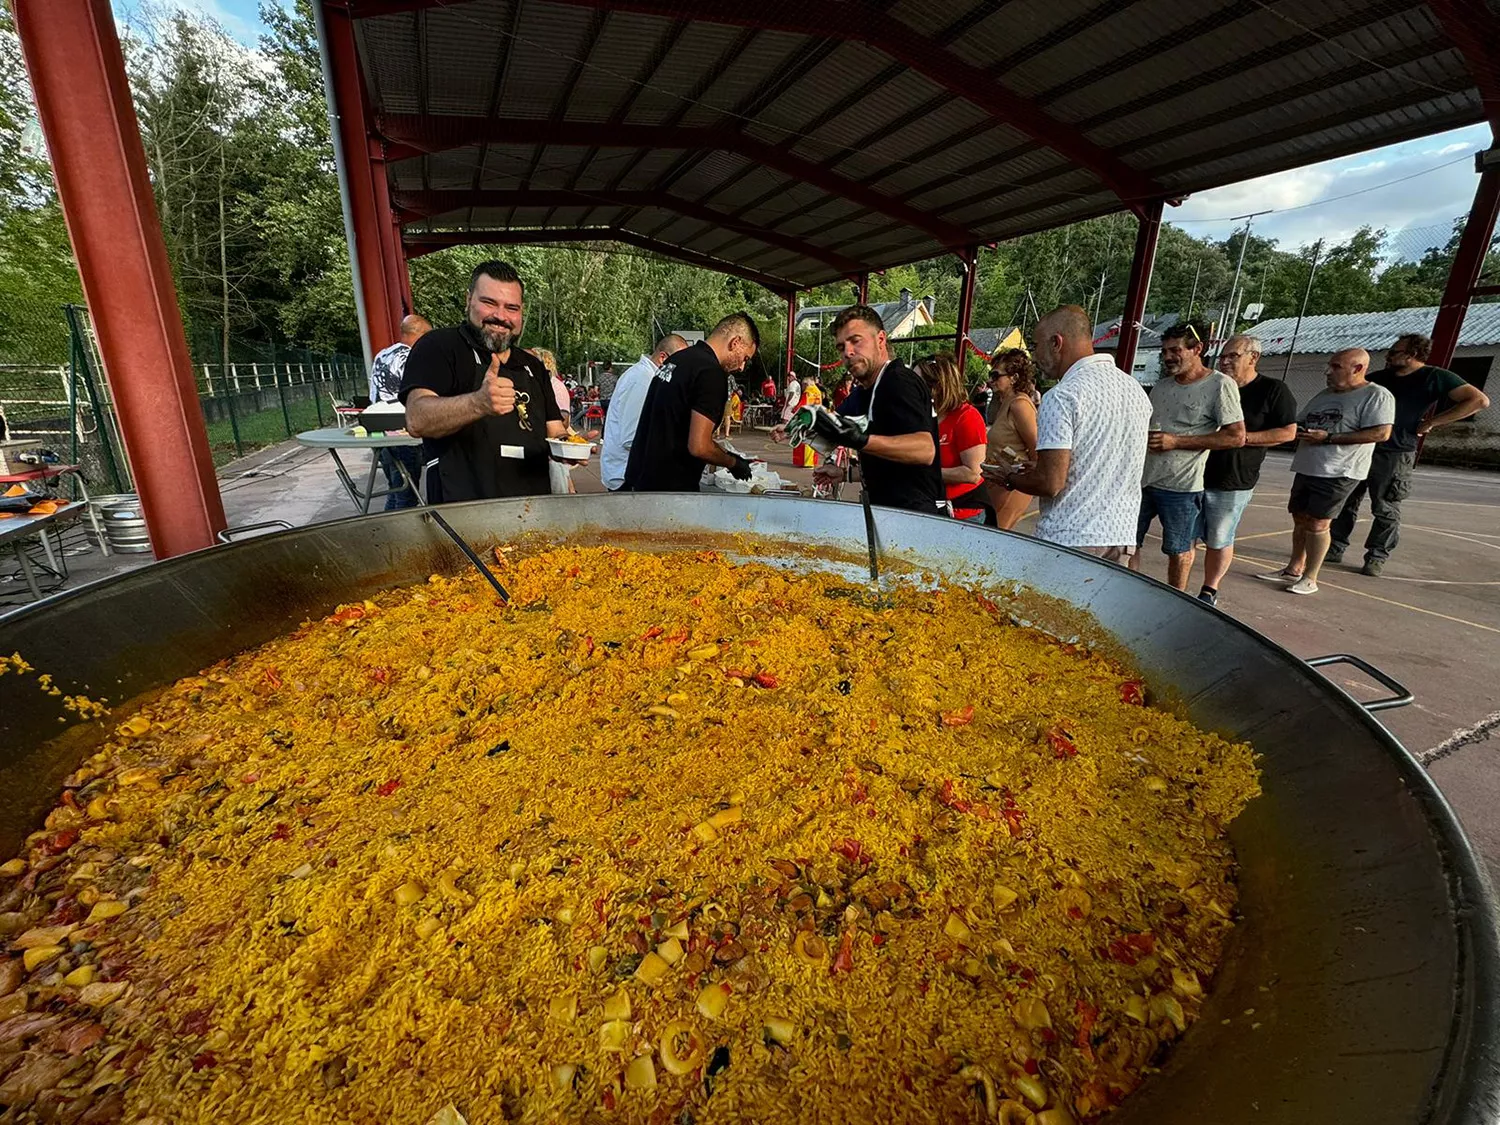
[[496, 336]]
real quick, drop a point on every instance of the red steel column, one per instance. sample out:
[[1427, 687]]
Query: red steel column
[[408, 302], [970, 259], [1139, 285], [1473, 246], [791, 333], [390, 239], [863, 281], [369, 221], [83, 99]]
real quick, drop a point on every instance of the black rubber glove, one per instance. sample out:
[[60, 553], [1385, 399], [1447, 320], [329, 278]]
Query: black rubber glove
[[839, 430], [740, 470]]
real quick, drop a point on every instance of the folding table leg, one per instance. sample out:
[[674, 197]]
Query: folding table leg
[[26, 571]]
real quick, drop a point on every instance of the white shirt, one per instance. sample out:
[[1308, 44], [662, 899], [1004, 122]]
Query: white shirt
[[564, 399], [793, 397], [1102, 416], [623, 417]]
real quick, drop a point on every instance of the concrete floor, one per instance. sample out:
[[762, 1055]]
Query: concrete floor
[[1432, 621]]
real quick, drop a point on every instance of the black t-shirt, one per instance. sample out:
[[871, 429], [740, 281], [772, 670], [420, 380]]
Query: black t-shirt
[[903, 405], [1268, 405], [690, 382], [1416, 393], [496, 456]]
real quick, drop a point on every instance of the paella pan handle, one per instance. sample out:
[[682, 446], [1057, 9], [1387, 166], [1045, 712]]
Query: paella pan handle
[[229, 534], [1401, 693]]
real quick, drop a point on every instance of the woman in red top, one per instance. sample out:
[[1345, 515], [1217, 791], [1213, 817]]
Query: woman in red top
[[961, 435]]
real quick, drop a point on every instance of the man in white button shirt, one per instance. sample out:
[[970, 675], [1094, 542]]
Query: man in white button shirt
[[1091, 442], [625, 410]]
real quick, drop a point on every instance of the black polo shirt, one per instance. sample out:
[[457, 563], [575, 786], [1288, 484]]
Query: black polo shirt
[[495, 456], [691, 381], [903, 405]]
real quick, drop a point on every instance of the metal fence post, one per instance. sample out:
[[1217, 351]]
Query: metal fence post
[[286, 414], [234, 420], [86, 368]]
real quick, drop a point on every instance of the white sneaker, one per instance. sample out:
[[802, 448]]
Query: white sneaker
[[1303, 586], [1279, 576]]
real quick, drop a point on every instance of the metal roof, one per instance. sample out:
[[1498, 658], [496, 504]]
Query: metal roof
[[1323, 335], [798, 143]]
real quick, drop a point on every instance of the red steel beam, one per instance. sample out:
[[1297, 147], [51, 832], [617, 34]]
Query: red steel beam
[[414, 134], [1475, 31], [863, 22], [970, 260], [1473, 247], [421, 204], [791, 334], [1139, 286], [390, 243], [369, 222], [82, 97], [419, 243]]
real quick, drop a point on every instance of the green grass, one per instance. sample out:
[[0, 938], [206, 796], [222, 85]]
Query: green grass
[[266, 427]]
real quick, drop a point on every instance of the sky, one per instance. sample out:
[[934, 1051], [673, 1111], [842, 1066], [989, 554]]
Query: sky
[[1414, 190]]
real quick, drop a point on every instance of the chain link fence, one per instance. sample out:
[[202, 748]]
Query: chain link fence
[[53, 389]]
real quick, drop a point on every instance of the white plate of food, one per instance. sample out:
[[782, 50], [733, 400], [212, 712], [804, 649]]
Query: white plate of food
[[566, 449]]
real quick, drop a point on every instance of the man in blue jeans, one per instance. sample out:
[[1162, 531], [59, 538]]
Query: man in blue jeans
[[1270, 411], [1193, 410]]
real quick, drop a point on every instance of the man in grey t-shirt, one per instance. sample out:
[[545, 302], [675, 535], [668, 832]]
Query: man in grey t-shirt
[[1336, 431], [1193, 410]]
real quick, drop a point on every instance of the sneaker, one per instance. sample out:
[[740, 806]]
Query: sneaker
[[1373, 567], [1209, 596], [1334, 557], [1280, 576], [1303, 586]]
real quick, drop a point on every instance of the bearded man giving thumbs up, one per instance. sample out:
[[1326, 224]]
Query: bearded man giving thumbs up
[[483, 407]]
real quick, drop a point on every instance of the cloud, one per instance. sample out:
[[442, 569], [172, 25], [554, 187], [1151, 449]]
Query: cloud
[[240, 19], [1334, 199]]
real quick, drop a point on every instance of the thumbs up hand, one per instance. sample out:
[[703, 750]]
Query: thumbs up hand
[[497, 394]]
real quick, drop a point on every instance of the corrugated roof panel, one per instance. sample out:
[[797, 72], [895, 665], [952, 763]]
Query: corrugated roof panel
[[651, 166], [548, 43], [842, 74], [393, 70], [927, 16], [764, 57], [470, 53], [709, 172], [873, 115], [453, 170], [1305, 68], [557, 166], [625, 46], [1132, 27], [1261, 85], [697, 51], [505, 166], [1323, 335], [1017, 26]]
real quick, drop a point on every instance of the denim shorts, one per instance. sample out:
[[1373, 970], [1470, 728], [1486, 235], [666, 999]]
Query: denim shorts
[[1222, 510], [1181, 515]]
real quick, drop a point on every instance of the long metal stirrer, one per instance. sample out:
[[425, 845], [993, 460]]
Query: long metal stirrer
[[463, 546]]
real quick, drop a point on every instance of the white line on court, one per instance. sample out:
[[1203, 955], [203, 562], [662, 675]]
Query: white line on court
[[1466, 736]]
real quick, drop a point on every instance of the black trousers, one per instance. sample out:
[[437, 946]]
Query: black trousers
[[1388, 484]]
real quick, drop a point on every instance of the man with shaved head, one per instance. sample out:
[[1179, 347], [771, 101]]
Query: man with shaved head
[[1091, 442], [385, 386], [1337, 432]]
